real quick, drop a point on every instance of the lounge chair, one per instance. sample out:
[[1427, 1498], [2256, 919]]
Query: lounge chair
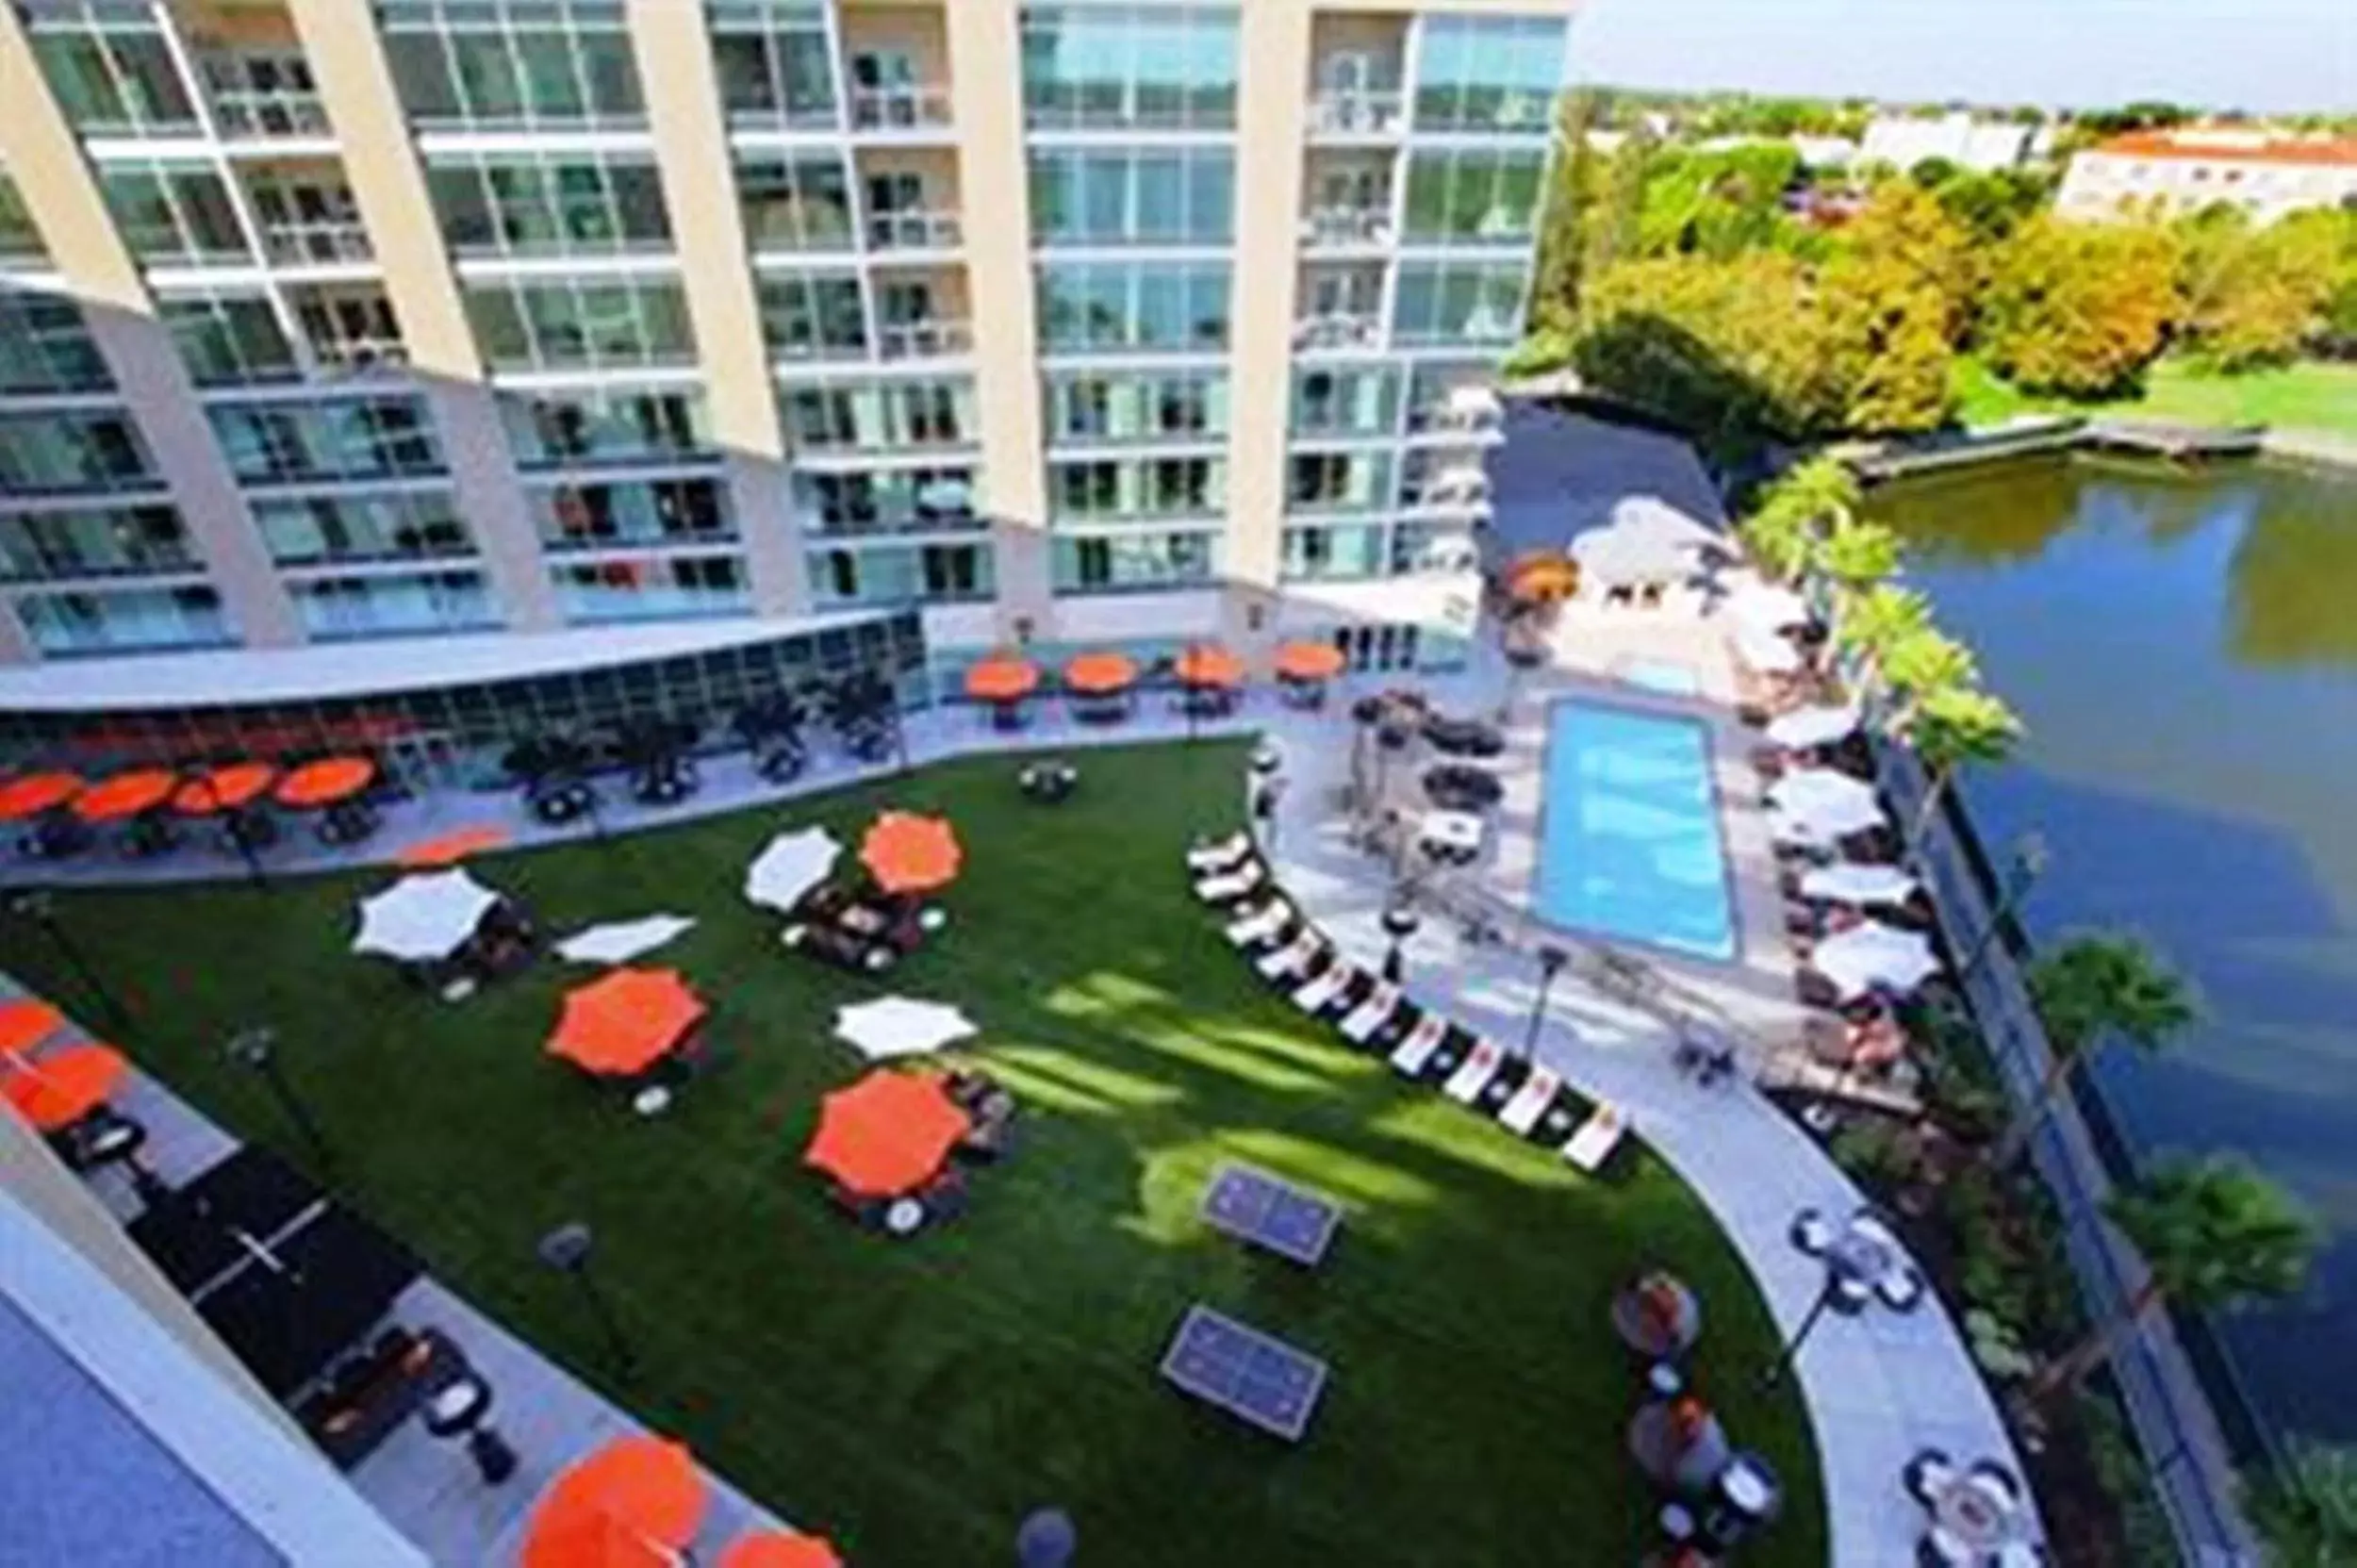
[[1262, 926], [1365, 1020], [1417, 1048], [1503, 1085], [1521, 1113], [1227, 888], [1458, 1044], [1226, 855], [1324, 989], [1597, 1137], [1480, 1063], [1292, 961]]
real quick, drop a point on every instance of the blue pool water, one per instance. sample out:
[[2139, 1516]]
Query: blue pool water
[[1665, 676], [1629, 842]]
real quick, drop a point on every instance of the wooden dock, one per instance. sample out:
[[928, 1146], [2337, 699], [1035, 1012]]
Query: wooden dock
[[2176, 443]]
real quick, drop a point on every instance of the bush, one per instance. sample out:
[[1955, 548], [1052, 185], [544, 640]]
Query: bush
[[2119, 1468], [1873, 1154]]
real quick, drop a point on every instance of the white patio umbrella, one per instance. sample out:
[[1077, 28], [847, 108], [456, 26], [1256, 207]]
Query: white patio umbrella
[[1805, 727], [1831, 802], [1854, 883], [900, 1025], [1788, 828], [1765, 607], [1616, 554], [1765, 651], [619, 941], [1873, 954], [1650, 516], [424, 917], [791, 866]]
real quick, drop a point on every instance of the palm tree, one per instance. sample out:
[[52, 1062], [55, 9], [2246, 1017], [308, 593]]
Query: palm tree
[[2306, 1507], [1951, 728], [1858, 556], [2214, 1235], [1878, 620], [1918, 667], [1781, 539], [1824, 490], [2092, 989]]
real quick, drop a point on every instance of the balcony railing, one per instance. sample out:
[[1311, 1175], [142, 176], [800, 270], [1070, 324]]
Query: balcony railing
[[1466, 410], [359, 355], [1347, 225], [899, 108], [245, 112], [1338, 332], [915, 231], [1366, 111], [924, 339], [313, 244]]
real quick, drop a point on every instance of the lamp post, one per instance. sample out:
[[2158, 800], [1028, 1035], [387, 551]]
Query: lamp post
[[1399, 924], [257, 1048], [1521, 658], [1863, 1263], [40, 908], [1550, 962], [566, 1249], [2029, 860], [461, 1407]]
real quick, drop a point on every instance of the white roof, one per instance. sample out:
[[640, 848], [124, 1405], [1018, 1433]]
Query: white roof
[[237, 676]]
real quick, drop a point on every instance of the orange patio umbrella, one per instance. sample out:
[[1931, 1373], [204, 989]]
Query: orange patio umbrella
[[781, 1550], [1207, 663], [125, 795], [625, 1020], [1309, 661], [908, 854], [62, 1087], [450, 847], [1099, 674], [1002, 678], [35, 793], [25, 1022], [1542, 574], [887, 1133], [326, 782], [228, 788], [636, 1501]]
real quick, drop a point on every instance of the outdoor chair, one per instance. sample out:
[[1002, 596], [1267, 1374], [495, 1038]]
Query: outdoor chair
[[1264, 926], [1322, 988], [862, 1207], [1503, 1085], [1234, 885], [839, 946], [1373, 1009], [1221, 855], [1419, 1045], [1473, 1073], [1521, 1113], [1597, 1137], [1288, 965]]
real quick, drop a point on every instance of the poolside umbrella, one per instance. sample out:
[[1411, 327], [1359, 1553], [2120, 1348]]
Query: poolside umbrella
[[1829, 803], [25, 1022], [887, 1133], [1615, 556], [62, 1087], [326, 783], [1872, 956], [125, 795], [1657, 1317], [1308, 663], [1766, 652], [1540, 576], [1206, 664], [1765, 607], [1804, 729], [636, 1500], [781, 1550], [619, 941], [900, 1025], [1679, 1444], [1856, 883], [1099, 674], [37, 794], [908, 854], [790, 865], [451, 848], [626, 1020], [232, 787], [424, 917], [1002, 678], [1454, 786], [1463, 737]]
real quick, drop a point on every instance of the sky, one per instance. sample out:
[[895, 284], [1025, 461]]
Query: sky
[[2250, 53]]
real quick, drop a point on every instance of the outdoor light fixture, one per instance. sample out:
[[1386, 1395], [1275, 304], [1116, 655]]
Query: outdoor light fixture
[[2029, 863], [461, 1407], [1047, 1539], [1399, 924], [566, 1250], [257, 1048], [1550, 962]]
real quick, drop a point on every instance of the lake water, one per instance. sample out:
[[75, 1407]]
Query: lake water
[[2184, 650]]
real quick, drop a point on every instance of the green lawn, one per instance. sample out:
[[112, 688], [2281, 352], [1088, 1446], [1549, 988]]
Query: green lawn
[[2309, 395], [915, 1398]]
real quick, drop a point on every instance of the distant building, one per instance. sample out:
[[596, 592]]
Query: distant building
[[1968, 144], [1826, 152], [2267, 176]]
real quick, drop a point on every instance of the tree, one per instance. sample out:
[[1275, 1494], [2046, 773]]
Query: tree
[[2306, 1507], [1878, 619], [1927, 662], [1950, 728], [2214, 1233], [1563, 222], [2090, 990], [1781, 541], [2078, 308], [1857, 554], [2250, 297]]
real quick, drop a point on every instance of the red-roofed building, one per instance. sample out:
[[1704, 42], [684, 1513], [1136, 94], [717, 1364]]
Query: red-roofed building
[[2182, 170]]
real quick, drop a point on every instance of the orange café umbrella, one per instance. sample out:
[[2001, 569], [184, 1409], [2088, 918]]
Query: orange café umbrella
[[229, 788], [125, 795], [625, 1020], [323, 784], [1309, 661], [636, 1500], [1099, 674], [62, 1087], [25, 1022], [1001, 679], [35, 793], [451, 848], [1210, 665], [781, 1550], [887, 1133], [907, 853], [1542, 574]]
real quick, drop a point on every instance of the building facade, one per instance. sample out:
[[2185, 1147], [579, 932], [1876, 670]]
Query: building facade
[[1059, 323], [2186, 171], [1904, 141]]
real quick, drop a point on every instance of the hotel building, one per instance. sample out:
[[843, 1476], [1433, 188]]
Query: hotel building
[[2267, 176]]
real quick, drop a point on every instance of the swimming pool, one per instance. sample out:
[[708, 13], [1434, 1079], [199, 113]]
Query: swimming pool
[[1629, 843]]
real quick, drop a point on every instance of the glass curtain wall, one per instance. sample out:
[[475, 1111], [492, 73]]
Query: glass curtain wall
[[45, 346], [512, 64], [526, 205], [1173, 308], [1133, 196], [572, 324], [1158, 67]]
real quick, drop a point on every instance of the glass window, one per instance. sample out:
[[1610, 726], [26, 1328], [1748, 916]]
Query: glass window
[[314, 442], [127, 621], [889, 500], [110, 68], [1484, 194], [606, 424], [1345, 401], [897, 574], [813, 316], [385, 526], [1489, 73], [1152, 67], [491, 64], [650, 587], [1124, 196], [568, 323], [336, 609], [1174, 308], [880, 416], [1110, 408], [1338, 481], [57, 452], [572, 204], [20, 239], [795, 204], [631, 511], [1114, 563], [45, 346], [1337, 551], [1460, 301], [773, 62], [229, 340], [174, 214], [106, 541], [1108, 490]]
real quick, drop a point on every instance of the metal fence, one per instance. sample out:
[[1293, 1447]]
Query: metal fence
[[2168, 1408]]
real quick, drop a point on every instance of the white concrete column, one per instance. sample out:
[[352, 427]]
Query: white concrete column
[[339, 40], [61, 192]]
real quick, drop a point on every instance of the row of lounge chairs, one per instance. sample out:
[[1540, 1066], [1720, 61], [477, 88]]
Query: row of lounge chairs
[[1290, 953]]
